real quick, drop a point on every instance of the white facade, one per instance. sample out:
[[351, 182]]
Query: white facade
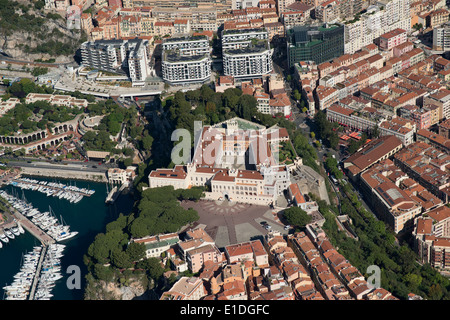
[[188, 46], [246, 53], [186, 60], [247, 63], [241, 38], [383, 17], [117, 56], [441, 38], [197, 69]]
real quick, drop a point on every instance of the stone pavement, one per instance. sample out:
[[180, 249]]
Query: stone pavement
[[230, 222]]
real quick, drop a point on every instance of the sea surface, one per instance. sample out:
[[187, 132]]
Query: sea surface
[[89, 217]]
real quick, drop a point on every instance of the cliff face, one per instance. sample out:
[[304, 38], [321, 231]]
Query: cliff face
[[135, 288], [51, 39]]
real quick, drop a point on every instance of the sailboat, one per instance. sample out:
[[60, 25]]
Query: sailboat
[[19, 226]]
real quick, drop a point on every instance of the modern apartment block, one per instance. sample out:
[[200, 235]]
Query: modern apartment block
[[188, 46], [382, 17], [441, 37], [241, 38], [129, 57], [186, 60], [107, 55], [315, 43], [251, 62], [246, 53]]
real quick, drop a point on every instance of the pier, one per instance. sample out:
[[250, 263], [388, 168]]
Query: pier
[[114, 193], [37, 274], [38, 233], [111, 197]]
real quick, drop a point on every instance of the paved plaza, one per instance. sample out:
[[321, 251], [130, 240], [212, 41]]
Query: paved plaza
[[230, 222]]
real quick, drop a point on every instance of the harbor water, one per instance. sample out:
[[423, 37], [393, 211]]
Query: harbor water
[[89, 217]]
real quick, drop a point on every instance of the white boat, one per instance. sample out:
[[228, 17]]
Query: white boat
[[1, 245], [9, 234], [65, 236], [21, 230], [4, 238], [15, 231]]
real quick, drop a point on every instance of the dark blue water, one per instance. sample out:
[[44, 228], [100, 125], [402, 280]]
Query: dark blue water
[[89, 217]]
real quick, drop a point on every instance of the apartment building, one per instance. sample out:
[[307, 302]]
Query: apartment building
[[253, 61], [380, 18], [399, 127], [241, 38], [391, 204], [431, 234], [436, 18], [392, 38], [326, 96], [420, 116], [364, 119], [138, 63], [186, 288], [441, 99], [423, 163], [248, 251], [444, 129], [129, 57], [328, 11], [295, 14], [441, 37], [188, 46], [186, 60], [373, 152]]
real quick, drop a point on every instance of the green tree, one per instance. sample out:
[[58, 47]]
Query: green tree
[[147, 142], [297, 217], [120, 259], [136, 251]]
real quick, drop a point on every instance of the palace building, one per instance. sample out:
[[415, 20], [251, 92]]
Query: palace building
[[234, 163]]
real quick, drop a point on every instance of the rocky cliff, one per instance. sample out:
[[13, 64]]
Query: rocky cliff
[[45, 36], [133, 288]]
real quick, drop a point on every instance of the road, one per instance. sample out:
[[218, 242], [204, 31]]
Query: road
[[69, 167], [55, 65]]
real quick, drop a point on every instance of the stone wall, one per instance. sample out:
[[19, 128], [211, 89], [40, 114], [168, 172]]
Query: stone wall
[[68, 174]]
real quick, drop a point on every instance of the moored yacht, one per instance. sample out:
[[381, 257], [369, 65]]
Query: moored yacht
[[15, 231], [4, 238], [9, 234]]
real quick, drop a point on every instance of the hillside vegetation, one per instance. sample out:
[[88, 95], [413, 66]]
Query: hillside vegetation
[[27, 31]]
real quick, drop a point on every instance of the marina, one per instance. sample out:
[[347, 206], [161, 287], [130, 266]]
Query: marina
[[88, 218], [70, 193], [37, 276], [43, 225]]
